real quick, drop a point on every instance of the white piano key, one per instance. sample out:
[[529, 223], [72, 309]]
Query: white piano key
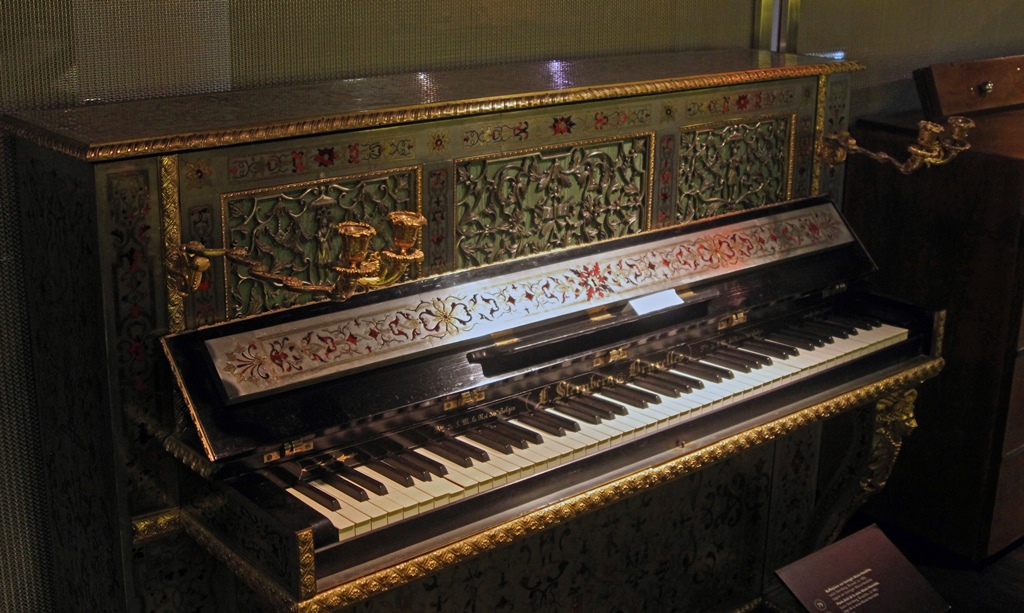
[[380, 515], [346, 528], [470, 478]]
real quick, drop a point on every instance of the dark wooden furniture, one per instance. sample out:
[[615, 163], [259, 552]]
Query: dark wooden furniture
[[951, 237]]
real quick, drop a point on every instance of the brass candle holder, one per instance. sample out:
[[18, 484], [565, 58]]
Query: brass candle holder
[[935, 145], [358, 268]]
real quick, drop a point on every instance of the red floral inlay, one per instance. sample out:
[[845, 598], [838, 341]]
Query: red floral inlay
[[325, 157], [562, 125]]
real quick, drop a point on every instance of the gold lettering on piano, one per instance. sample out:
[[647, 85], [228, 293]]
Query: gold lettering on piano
[[614, 355], [484, 415], [564, 389], [465, 398], [271, 457]]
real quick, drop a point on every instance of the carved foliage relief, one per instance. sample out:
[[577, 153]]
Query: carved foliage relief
[[510, 207], [732, 167], [292, 230]]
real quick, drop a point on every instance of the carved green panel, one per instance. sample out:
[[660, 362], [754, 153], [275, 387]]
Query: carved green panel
[[732, 167], [526, 203], [292, 230]]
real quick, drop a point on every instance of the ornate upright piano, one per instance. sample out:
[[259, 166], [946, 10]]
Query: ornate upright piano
[[568, 335]]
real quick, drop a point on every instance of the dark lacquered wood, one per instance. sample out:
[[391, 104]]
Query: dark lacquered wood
[[958, 88], [950, 238]]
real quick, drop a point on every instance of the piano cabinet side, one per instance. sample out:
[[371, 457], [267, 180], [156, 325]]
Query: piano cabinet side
[[81, 430], [953, 238]]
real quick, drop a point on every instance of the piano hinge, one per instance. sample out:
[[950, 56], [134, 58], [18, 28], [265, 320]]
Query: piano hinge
[[731, 320], [288, 449], [598, 313], [504, 338]]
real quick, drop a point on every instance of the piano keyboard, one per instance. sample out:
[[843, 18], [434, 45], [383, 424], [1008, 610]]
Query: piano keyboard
[[391, 488]]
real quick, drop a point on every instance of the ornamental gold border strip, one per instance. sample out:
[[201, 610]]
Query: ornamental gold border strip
[[560, 512], [155, 526], [170, 217], [401, 115], [819, 135], [416, 169]]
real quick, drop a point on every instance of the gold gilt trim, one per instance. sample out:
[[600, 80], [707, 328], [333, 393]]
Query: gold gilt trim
[[938, 333], [750, 606], [401, 115], [416, 568], [155, 526], [894, 421], [819, 135], [199, 464], [170, 213], [307, 564]]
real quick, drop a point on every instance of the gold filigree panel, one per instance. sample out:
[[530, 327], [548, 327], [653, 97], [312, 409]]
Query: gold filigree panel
[[292, 230], [733, 166], [511, 206]]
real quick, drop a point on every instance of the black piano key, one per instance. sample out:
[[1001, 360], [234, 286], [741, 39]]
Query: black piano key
[[399, 462], [400, 477], [449, 453], [693, 370], [601, 412], [513, 438], [828, 320], [432, 466], [489, 439], [614, 407], [819, 340], [577, 413], [633, 397], [725, 362], [821, 327], [792, 341], [531, 419], [706, 372], [529, 435], [471, 450], [284, 478], [673, 381], [863, 322], [345, 487], [779, 351], [359, 478], [657, 386], [681, 380], [563, 422], [763, 360]]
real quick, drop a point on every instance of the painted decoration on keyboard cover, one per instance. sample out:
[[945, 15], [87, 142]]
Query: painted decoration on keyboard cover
[[316, 348]]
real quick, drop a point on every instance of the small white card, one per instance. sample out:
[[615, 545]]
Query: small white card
[[655, 302]]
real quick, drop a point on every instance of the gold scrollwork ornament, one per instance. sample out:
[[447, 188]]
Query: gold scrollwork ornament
[[357, 268]]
